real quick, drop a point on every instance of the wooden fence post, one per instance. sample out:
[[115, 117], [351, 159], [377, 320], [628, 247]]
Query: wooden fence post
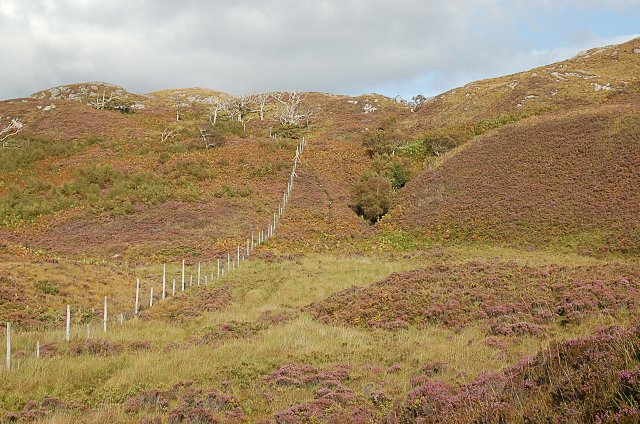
[[206, 281], [190, 280], [248, 248], [104, 322], [218, 268], [67, 335], [151, 298], [198, 274], [164, 281], [228, 263], [38, 349], [137, 307], [238, 258], [8, 345], [173, 288], [88, 331], [121, 319]]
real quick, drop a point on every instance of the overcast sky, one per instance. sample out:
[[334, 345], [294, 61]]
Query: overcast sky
[[343, 46]]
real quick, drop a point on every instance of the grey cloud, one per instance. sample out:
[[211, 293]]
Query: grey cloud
[[240, 46]]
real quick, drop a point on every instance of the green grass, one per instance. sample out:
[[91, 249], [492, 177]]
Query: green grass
[[283, 286], [35, 149]]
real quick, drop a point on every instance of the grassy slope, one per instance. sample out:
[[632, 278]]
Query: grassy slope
[[235, 362]]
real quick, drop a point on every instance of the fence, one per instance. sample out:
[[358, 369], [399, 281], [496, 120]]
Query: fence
[[219, 269]]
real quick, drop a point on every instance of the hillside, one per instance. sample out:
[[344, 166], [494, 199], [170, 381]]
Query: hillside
[[497, 282], [565, 173]]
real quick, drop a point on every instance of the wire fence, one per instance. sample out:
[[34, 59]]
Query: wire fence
[[205, 273]]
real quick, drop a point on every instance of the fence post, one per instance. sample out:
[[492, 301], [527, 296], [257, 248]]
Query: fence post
[[151, 298], [88, 331], [121, 319], [173, 288], [218, 268], [137, 307], [238, 259], [228, 263], [38, 349], [198, 274], [104, 323], [8, 345], [183, 275], [164, 281], [248, 248], [67, 335], [190, 280], [206, 280]]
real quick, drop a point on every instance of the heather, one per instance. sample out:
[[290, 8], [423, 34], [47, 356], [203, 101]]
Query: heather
[[569, 180], [590, 380], [506, 299]]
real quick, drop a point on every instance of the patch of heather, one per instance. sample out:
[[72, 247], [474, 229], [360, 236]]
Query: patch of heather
[[332, 400], [37, 411], [139, 345], [230, 330], [506, 298], [95, 347], [242, 329], [305, 375], [184, 403], [591, 379], [184, 308], [271, 318]]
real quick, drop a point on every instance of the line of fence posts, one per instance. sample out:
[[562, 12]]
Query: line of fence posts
[[221, 271]]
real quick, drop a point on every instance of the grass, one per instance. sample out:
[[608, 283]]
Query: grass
[[236, 364]]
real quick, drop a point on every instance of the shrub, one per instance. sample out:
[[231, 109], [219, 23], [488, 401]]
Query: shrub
[[230, 191], [372, 196], [38, 148], [193, 169], [287, 131], [47, 287], [399, 177], [439, 142], [383, 139]]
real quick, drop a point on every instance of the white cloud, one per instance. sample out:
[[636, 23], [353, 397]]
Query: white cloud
[[326, 45]]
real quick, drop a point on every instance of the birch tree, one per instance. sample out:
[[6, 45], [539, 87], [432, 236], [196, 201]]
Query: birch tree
[[291, 110], [219, 105], [261, 100], [12, 128]]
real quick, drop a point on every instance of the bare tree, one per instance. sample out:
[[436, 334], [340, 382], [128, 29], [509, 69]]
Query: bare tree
[[167, 134], [177, 107], [240, 107], [261, 100], [219, 105], [291, 110], [11, 129], [102, 102]]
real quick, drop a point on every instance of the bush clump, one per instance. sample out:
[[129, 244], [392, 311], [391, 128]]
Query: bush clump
[[440, 141], [372, 196], [374, 191], [231, 191], [383, 139]]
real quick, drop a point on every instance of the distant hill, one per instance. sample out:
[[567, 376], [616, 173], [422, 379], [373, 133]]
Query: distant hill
[[548, 156], [567, 175]]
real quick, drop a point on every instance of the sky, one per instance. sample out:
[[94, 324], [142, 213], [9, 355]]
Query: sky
[[399, 47]]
